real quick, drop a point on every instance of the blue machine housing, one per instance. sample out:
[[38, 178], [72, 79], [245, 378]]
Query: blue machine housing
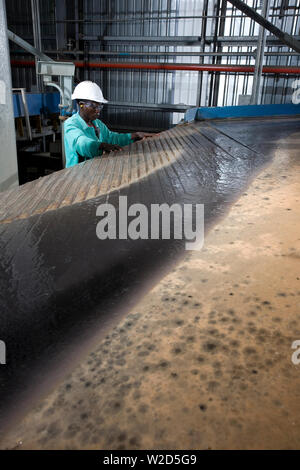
[[38, 103], [242, 111]]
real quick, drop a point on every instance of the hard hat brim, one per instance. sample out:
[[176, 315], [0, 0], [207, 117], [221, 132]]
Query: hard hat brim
[[78, 98]]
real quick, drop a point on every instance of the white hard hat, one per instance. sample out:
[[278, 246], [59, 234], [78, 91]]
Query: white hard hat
[[88, 90]]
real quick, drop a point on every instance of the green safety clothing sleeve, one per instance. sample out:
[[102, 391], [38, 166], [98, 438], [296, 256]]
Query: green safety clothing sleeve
[[79, 138]]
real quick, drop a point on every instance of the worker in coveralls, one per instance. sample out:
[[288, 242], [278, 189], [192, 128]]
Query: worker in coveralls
[[85, 136]]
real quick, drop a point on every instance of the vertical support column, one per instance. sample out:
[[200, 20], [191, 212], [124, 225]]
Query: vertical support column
[[36, 25], [8, 154], [256, 89], [218, 48], [60, 15], [77, 28], [202, 45], [66, 83]]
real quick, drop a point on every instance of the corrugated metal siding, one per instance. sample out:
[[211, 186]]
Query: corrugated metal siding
[[135, 86], [161, 18]]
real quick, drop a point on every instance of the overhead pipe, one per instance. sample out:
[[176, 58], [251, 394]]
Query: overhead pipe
[[160, 66]]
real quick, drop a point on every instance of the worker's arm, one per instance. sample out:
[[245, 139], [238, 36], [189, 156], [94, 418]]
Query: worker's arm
[[80, 143], [106, 147], [117, 139], [114, 138]]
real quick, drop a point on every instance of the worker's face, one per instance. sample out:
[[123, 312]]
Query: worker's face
[[90, 110]]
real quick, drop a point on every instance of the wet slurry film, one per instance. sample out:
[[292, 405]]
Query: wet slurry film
[[203, 360]]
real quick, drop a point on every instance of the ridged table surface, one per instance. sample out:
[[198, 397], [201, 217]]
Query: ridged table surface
[[196, 142], [59, 282]]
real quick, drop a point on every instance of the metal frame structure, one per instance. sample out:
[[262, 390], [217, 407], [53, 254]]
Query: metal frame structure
[[46, 68], [260, 19], [26, 46], [160, 55], [255, 97]]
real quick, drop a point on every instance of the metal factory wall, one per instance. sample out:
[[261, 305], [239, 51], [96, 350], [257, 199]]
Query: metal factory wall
[[134, 26]]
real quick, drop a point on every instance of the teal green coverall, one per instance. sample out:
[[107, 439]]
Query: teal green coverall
[[79, 138]]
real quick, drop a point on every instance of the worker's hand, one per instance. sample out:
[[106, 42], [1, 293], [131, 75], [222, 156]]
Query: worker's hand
[[141, 135], [106, 148]]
